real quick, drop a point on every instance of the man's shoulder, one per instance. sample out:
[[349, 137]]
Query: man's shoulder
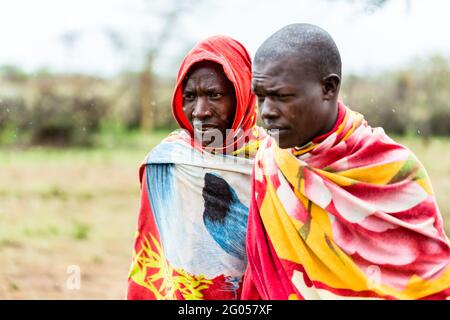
[[170, 147]]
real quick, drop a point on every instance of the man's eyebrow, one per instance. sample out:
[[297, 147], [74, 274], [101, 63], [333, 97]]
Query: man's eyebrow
[[213, 86], [256, 83], [275, 89], [216, 89], [258, 88], [267, 91], [268, 86]]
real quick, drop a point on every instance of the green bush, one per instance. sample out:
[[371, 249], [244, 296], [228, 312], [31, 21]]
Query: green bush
[[61, 121]]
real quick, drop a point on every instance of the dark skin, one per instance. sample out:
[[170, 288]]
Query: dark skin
[[209, 103], [296, 104]]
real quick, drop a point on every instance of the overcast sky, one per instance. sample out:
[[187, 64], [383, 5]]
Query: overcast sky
[[31, 31]]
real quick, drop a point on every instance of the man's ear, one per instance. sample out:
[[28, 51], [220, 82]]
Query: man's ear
[[330, 86]]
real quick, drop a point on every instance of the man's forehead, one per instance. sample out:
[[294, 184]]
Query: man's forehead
[[270, 66], [282, 70], [272, 73], [207, 71], [207, 74]]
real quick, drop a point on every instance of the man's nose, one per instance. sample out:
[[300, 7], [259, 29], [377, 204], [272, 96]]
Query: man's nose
[[202, 109], [268, 110]]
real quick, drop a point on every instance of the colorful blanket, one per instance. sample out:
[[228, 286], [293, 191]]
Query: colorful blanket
[[193, 220], [353, 216], [194, 200]]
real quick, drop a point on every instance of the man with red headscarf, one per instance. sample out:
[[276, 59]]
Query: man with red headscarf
[[195, 185]]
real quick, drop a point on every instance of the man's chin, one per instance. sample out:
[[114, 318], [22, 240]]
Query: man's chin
[[277, 136], [206, 143], [283, 145], [212, 138]]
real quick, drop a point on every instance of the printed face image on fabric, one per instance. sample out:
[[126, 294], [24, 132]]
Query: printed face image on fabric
[[203, 226]]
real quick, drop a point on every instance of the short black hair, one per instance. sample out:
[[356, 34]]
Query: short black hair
[[310, 43]]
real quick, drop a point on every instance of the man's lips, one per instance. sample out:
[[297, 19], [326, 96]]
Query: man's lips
[[273, 129], [207, 133], [204, 127]]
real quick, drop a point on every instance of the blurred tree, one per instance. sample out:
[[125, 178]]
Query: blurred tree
[[12, 73], [413, 100], [69, 40], [169, 13], [371, 6]]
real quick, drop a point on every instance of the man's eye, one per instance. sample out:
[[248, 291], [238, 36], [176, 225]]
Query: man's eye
[[188, 96], [215, 95], [283, 97]]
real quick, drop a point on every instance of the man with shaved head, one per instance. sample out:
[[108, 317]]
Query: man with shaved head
[[339, 210]]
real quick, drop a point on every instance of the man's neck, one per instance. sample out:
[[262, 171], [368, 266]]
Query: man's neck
[[335, 120]]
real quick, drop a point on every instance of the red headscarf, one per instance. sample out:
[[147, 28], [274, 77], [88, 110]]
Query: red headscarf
[[236, 63]]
